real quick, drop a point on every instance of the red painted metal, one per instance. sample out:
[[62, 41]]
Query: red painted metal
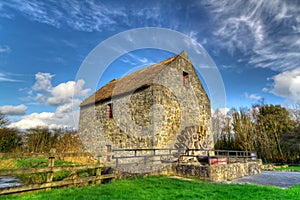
[[217, 161]]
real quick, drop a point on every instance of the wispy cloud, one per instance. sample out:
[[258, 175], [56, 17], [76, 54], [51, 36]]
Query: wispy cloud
[[86, 16], [6, 77], [4, 49], [265, 31], [252, 96], [135, 60]]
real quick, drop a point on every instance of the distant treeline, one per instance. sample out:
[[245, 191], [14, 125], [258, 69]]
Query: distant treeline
[[271, 130], [39, 140]]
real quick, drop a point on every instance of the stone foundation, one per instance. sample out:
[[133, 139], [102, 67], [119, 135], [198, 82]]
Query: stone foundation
[[216, 173]]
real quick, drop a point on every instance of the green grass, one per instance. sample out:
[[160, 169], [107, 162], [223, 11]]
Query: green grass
[[19, 163], [165, 188], [290, 168]]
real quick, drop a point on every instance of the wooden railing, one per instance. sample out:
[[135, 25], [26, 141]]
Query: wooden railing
[[50, 170], [179, 154]]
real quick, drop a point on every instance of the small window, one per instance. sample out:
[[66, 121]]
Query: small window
[[185, 78], [110, 111]]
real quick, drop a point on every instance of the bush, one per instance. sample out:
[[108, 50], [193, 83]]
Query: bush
[[10, 140], [40, 140], [68, 141]]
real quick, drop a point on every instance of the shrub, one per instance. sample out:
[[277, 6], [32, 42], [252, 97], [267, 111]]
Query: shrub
[[10, 140]]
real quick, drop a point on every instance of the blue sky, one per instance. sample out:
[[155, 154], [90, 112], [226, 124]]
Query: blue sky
[[254, 44]]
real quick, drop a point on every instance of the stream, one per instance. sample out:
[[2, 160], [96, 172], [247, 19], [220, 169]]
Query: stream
[[6, 181]]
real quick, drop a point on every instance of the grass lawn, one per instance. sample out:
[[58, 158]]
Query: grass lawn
[[165, 188], [290, 168], [18, 163]]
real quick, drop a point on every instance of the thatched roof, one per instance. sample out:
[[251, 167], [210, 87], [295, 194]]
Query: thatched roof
[[128, 84]]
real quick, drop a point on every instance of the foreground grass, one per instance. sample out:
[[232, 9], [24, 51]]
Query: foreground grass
[[165, 188], [19, 163], [290, 168]]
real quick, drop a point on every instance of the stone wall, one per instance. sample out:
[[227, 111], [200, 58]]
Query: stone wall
[[216, 173], [221, 172]]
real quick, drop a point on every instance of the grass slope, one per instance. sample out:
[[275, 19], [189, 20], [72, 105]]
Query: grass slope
[[165, 188], [19, 163], [290, 168]]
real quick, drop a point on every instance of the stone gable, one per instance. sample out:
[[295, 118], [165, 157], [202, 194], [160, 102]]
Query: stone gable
[[162, 106]]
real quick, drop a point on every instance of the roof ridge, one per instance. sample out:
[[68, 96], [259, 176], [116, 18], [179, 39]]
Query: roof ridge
[[128, 82]]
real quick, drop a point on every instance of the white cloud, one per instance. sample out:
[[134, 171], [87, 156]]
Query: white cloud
[[222, 111], [13, 110], [68, 107], [252, 96], [66, 97], [47, 119], [4, 49], [64, 92], [287, 84], [42, 82]]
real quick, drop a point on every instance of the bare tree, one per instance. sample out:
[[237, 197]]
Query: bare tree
[[3, 120], [295, 113]]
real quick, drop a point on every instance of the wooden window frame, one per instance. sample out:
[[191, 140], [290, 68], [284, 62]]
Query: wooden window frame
[[110, 111], [185, 77]]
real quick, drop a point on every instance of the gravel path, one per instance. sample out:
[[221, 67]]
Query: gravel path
[[279, 179]]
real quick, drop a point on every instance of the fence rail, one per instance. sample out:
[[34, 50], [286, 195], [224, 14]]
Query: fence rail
[[162, 155], [50, 170], [180, 154]]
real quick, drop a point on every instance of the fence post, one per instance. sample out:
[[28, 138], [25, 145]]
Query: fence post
[[98, 171], [50, 165], [228, 158], [108, 150]]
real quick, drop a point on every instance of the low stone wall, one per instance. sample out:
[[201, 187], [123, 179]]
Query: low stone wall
[[220, 172], [233, 171], [215, 173]]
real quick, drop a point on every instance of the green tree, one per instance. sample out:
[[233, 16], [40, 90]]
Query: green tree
[[273, 121], [10, 140], [244, 129]]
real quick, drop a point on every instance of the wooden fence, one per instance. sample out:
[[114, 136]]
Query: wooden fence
[[117, 155], [50, 170], [179, 154]]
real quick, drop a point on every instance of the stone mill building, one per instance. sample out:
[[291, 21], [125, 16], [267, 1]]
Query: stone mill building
[[161, 106]]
